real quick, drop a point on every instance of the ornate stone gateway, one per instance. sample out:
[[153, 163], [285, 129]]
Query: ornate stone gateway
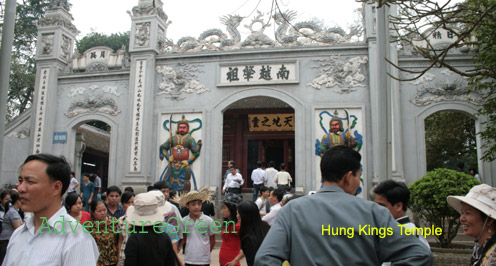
[[323, 81]]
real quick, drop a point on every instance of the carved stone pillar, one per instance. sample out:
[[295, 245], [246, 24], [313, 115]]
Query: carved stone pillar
[[149, 26], [54, 47], [80, 148], [147, 38]]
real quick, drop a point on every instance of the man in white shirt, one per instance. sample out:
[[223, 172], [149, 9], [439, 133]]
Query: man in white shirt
[[74, 183], [263, 201], [283, 179], [275, 201], [271, 172], [394, 196], [258, 176], [234, 181], [98, 186], [50, 236]]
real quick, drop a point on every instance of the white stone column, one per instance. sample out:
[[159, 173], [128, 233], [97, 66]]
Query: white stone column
[[54, 48]]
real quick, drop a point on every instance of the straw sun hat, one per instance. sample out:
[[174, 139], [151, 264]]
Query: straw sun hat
[[148, 206], [482, 197], [203, 195]]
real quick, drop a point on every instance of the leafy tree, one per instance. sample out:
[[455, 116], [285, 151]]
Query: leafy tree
[[473, 24], [115, 41], [23, 69], [428, 200], [449, 138]]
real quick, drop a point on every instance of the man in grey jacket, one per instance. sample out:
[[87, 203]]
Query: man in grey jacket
[[333, 227]]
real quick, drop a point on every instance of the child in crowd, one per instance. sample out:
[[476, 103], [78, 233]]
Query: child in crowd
[[198, 235], [231, 246], [263, 201]]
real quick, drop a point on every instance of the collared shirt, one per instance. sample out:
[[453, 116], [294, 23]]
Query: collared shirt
[[258, 176], [118, 213], [197, 249], [331, 227], [71, 246], [405, 220], [271, 172], [271, 216], [233, 181]]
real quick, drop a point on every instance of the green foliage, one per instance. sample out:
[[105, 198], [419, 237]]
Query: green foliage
[[473, 23], [450, 138], [485, 83], [428, 200], [115, 41]]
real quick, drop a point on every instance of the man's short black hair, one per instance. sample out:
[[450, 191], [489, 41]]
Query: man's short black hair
[[279, 193], [126, 196], [160, 185], [57, 170], [283, 166], [114, 189], [149, 188], [259, 164], [394, 192], [272, 163], [263, 189], [337, 161], [130, 189]]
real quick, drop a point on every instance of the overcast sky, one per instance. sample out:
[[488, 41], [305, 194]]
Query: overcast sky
[[192, 17]]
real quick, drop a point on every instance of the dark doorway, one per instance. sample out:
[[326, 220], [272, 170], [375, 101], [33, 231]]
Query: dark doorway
[[246, 146]]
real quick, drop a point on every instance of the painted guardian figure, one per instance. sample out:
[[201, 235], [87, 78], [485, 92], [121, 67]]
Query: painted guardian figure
[[336, 136], [177, 151]]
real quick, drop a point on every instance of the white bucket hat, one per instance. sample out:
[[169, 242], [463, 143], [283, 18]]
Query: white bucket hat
[[482, 197], [148, 209]]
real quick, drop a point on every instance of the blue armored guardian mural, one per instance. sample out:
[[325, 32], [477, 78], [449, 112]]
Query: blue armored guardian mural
[[337, 134], [176, 150]]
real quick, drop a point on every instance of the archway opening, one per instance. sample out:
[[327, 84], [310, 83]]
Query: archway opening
[[450, 139], [255, 129], [93, 149]]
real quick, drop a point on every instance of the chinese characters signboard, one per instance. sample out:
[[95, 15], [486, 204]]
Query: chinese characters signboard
[[271, 122], [137, 125], [438, 36], [40, 110], [258, 74]]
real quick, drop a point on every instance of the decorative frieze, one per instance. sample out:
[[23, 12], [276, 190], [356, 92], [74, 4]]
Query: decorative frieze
[[93, 90], [344, 74], [93, 104], [142, 37], [179, 80], [47, 43], [445, 92]]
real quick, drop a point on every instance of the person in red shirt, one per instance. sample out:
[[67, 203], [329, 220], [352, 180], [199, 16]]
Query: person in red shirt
[[74, 207], [230, 249]]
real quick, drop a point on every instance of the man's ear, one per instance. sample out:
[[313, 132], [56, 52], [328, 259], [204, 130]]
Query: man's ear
[[57, 186], [346, 182], [398, 207]]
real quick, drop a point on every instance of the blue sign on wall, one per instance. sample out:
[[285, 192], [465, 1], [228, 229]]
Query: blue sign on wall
[[60, 137]]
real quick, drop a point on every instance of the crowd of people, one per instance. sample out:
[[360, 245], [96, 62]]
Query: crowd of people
[[45, 221]]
